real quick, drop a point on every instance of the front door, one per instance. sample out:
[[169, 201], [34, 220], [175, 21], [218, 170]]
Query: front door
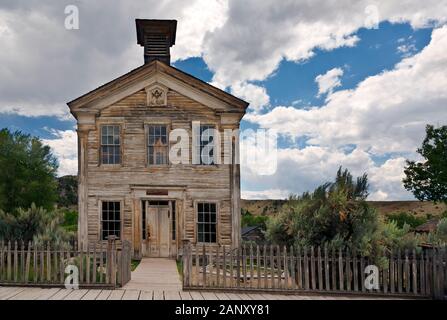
[[157, 228]]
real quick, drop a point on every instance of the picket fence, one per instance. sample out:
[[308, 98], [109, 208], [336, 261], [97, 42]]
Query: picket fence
[[101, 265], [274, 268]]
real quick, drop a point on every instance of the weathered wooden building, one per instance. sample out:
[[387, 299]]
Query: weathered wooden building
[[128, 185]]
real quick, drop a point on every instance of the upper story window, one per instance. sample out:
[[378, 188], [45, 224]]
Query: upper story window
[[110, 144], [206, 144], [157, 147]]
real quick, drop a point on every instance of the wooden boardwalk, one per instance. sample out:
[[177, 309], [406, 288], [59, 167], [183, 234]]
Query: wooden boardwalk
[[27, 293]]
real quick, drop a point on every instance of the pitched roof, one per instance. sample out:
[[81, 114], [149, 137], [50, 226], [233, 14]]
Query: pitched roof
[[145, 69], [246, 230], [430, 225]]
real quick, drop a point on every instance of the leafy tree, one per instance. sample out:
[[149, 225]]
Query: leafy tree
[[27, 172], [428, 179]]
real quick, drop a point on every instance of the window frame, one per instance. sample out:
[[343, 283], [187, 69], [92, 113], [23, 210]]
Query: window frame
[[100, 152], [100, 229], [217, 148], [210, 126], [146, 139], [196, 222]]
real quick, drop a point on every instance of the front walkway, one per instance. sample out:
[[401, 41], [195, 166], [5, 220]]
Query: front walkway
[[155, 274]]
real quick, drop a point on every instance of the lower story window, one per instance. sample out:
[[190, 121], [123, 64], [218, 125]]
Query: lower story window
[[206, 222], [111, 219]]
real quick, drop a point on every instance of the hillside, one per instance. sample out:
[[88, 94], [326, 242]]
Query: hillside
[[67, 188], [418, 208]]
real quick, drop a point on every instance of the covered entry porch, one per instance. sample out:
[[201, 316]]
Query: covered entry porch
[[157, 221]]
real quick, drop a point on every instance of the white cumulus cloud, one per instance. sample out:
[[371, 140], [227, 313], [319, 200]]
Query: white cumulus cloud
[[385, 115], [329, 81], [256, 95], [65, 148]]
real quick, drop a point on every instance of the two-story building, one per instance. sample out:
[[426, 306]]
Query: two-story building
[[129, 186]]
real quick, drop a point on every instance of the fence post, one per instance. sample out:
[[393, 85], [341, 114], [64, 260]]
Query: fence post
[[434, 275], [204, 265], [111, 260], [185, 261], [438, 274], [124, 263]]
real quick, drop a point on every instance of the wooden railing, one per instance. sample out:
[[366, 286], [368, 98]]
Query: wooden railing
[[271, 268], [101, 265]]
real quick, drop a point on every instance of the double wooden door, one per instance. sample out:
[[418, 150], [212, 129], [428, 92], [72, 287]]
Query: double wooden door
[[157, 228]]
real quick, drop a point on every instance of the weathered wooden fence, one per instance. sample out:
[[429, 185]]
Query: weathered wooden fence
[[271, 268], [101, 265]]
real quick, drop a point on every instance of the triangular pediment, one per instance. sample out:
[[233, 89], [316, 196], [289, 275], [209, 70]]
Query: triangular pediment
[[156, 78]]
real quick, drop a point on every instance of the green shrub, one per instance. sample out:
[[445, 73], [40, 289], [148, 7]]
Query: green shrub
[[439, 236], [336, 214], [33, 224], [70, 220], [248, 220], [402, 218]]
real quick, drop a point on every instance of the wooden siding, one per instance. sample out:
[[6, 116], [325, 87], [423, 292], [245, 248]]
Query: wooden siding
[[114, 182]]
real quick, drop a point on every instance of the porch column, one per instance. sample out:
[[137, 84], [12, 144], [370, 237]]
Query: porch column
[[235, 196], [137, 235], [82, 188]]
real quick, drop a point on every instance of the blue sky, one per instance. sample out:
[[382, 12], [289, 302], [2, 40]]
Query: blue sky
[[343, 93]]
